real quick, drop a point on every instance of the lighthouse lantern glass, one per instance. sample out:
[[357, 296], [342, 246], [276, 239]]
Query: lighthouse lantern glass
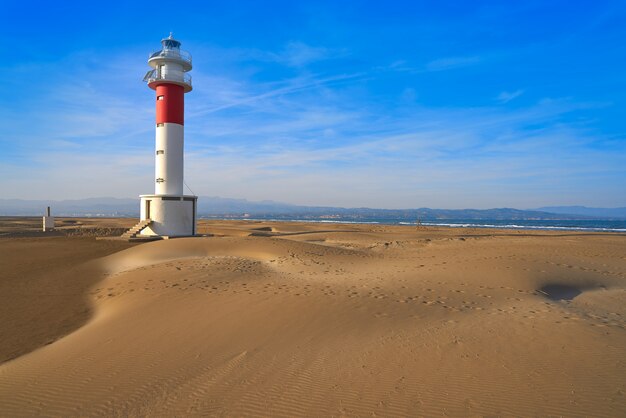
[[171, 44]]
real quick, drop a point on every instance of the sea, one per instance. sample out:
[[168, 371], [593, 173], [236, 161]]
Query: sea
[[616, 226]]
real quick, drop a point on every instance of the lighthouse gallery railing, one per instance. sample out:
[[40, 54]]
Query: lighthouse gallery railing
[[172, 53], [153, 75]]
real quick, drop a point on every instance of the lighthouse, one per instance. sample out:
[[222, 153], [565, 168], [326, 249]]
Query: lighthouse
[[168, 212]]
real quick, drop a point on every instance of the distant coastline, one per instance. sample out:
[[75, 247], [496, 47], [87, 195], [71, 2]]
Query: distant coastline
[[581, 218], [618, 226]]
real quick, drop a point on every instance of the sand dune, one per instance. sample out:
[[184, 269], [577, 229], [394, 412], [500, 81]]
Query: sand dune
[[319, 321]]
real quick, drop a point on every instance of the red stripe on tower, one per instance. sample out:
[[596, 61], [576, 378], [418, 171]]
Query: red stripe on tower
[[170, 105]]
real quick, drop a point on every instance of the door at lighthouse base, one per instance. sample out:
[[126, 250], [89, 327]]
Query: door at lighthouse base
[[147, 209]]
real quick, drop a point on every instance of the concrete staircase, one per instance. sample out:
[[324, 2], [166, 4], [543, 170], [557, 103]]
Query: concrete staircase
[[132, 232]]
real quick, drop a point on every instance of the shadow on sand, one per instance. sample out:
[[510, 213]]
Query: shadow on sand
[[558, 292]]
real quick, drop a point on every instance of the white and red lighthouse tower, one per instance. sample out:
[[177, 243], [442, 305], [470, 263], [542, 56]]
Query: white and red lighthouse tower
[[169, 212]]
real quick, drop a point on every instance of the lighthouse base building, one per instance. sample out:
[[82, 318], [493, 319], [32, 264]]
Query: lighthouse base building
[[168, 212], [169, 215]]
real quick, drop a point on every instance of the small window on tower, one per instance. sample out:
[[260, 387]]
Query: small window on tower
[[160, 152], [160, 125], [160, 97]]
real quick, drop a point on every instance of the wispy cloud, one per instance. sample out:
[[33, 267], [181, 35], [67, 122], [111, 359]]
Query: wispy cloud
[[448, 63], [289, 87], [507, 96], [436, 65], [295, 53], [298, 54]]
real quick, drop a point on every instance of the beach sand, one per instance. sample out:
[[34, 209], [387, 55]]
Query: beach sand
[[295, 319]]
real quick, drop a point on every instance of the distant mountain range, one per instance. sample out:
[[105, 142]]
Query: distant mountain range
[[614, 213], [210, 206]]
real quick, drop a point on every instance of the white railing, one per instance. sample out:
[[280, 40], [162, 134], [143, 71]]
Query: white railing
[[154, 76], [172, 53]]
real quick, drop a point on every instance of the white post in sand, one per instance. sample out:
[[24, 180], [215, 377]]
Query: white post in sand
[[48, 220]]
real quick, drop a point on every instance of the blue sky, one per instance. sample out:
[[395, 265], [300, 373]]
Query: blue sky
[[380, 104]]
